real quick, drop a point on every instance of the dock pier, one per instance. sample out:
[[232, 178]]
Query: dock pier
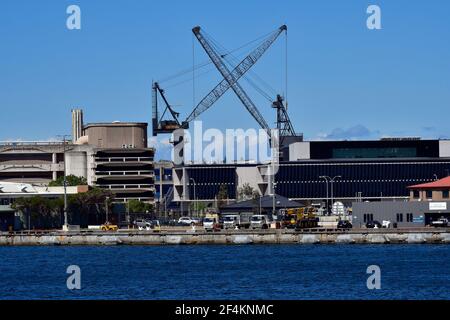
[[321, 236]]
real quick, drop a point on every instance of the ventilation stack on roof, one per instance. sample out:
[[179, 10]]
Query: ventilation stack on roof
[[77, 124]]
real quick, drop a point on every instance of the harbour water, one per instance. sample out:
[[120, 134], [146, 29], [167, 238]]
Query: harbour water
[[226, 272]]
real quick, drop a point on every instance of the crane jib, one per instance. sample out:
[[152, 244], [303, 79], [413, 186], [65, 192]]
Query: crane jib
[[232, 77]]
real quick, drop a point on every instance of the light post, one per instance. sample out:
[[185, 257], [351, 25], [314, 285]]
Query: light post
[[165, 208], [331, 180], [66, 223], [128, 213], [326, 184], [107, 210], [332, 195], [273, 197], [260, 204], [195, 199]]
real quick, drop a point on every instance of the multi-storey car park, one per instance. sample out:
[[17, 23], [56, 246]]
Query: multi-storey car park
[[109, 155]]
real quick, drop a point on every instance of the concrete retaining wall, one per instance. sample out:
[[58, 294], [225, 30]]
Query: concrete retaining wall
[[232, 237]]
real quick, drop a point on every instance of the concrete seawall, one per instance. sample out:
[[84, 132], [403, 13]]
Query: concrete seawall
[[430, 236]]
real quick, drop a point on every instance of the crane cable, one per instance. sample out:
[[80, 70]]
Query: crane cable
[[286, 69], [201, 65], [230, 56], [208, 62]]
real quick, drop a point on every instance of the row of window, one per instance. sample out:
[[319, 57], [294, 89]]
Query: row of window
[[409, 217], [399, 217], [429, 194], [363, 171]]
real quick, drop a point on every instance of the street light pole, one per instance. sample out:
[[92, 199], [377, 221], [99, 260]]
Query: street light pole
[[66, 223], [326, 184], [332, 195], [195, 198], [107, 210], [273, 197], [260, 204], [128, 213]]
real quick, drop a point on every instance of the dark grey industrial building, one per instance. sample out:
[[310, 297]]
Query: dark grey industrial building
[[369, 170], [401, 213]]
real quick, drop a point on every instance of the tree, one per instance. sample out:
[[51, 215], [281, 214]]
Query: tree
[[199, 206], [40, 212], [47, 213], [137, 206], [222, 196], [92, 203], [71, 179], [246, 192]]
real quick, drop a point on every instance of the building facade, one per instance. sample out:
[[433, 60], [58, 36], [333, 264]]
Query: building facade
[[31, 162], [364, 171], [117, 158], [113, 156], [401, 214]]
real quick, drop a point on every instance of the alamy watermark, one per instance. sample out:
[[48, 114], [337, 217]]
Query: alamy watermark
[[73, 21], [74, 280], [374, 20], [234, 145], [374, 280]]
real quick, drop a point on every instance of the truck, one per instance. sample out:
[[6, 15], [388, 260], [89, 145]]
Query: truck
[[307, 219], [259, 221], [235, 221], [211, 222], [440, 223], [288, 218]]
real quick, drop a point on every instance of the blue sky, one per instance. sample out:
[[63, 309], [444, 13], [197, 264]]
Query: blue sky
[[344, 81]]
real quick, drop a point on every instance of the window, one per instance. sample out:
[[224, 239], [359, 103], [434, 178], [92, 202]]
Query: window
[[445, 194], [429, 194], [416, 194], [409, 217], [383, 152], [399, 217]]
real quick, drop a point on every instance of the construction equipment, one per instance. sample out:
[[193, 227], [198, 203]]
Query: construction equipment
[[284, 125], [299, 218], [109, 227], [230, 80], [160, 125], [307, 219], [288, 218]]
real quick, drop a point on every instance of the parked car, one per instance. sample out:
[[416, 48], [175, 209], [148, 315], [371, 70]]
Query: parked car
[[188, 221], [344, 224], [142, 224], [386, 224], [440, 223], [156, 225], [373, 224]]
